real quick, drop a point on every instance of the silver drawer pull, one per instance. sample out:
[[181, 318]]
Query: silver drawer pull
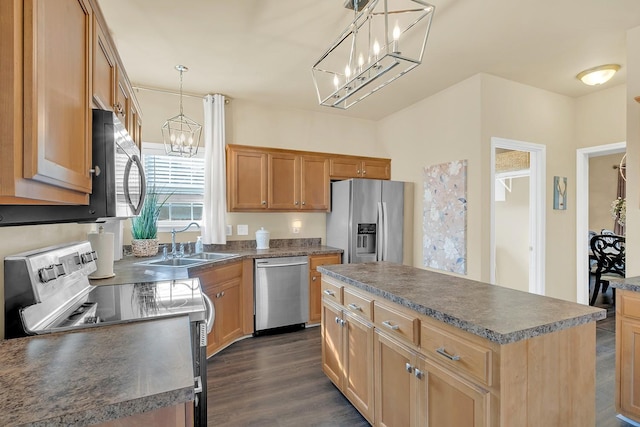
[[408, 367], [418, 373], [388, 324], [330, 293], [353, 306], [442, 351]]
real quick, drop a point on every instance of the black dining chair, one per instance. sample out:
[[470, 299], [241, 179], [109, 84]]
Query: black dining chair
[[608, 251]]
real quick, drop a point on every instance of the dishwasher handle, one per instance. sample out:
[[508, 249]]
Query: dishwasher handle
[[265, 265]]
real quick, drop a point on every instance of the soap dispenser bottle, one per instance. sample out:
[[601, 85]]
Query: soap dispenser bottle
[[199, 245]]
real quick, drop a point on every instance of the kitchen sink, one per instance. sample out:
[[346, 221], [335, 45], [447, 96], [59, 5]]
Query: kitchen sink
[[209, 256], [174, 262]]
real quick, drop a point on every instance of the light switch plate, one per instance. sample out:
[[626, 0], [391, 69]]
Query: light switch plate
[[243, 230], [229, 230]]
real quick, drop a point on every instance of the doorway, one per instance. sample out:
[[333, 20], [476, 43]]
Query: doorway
[[531, 183], [582, 213]]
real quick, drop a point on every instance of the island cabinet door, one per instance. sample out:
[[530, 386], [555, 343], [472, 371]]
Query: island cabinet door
[[445, 399], [395, 393], [332, 343], [358, 364], [629, 367]]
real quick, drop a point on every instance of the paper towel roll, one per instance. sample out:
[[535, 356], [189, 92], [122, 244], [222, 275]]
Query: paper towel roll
[[102, 243]]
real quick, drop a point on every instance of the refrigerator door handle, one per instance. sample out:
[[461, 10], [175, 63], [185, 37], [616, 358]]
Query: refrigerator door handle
[[385, 232], [379, 233]]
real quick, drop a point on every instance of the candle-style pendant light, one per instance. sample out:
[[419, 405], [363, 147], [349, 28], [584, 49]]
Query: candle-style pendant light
[[180, 134]]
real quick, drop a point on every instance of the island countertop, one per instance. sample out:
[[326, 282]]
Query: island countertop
[[95, 374], [493, 312]]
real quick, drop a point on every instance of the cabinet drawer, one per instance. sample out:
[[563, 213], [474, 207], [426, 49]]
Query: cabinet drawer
[[358, 304], [332, 291], [317, 260], [220, 274], [390, 320], [456, 352], [630, 304]]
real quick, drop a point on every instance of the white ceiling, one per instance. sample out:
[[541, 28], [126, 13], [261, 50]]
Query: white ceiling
[[263, 50]]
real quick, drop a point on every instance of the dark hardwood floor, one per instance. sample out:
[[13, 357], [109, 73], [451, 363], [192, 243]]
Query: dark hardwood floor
[[278, 381]]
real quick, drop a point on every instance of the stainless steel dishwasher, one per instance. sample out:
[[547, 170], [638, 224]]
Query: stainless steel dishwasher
[[281, 292]]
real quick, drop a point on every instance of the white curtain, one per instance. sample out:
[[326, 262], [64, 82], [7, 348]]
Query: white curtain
[[215, 199]]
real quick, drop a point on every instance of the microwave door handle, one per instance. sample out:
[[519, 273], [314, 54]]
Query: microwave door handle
[[143, 185]]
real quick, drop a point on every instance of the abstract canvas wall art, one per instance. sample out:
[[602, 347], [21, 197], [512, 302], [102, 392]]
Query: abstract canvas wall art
[[445, 217]]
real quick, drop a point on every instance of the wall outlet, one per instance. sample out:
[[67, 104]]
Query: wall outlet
[[229, 230], [243, 229]]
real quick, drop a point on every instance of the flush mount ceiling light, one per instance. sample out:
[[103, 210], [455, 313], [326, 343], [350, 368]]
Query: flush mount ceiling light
[[385, 41], [180, 134], [598, 75]]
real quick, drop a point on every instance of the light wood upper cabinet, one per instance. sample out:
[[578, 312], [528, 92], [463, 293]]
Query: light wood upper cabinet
[[57, 63], [123, 95], [294, 180], [346, 167], [276, 180]]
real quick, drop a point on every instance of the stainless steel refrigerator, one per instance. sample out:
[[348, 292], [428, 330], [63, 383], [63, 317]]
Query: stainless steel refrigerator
[[367, 220]]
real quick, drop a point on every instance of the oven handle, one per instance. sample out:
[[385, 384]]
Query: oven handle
[[211, 312], [259, 265]]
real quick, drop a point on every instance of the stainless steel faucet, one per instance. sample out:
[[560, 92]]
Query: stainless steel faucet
[[173, 237]]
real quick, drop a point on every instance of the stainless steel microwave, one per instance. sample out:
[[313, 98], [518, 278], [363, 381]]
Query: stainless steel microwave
[[118, 185]]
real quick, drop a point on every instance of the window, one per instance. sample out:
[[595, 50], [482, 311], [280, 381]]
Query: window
[[178, 178]]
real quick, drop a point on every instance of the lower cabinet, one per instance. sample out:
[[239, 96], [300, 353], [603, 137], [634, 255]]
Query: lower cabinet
[[224, 286], [628, 353], [347, 356]]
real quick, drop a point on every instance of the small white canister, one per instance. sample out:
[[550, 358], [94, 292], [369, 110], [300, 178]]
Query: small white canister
[[262, 239]]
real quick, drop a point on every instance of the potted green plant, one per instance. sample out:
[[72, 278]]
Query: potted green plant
[[144, 227]]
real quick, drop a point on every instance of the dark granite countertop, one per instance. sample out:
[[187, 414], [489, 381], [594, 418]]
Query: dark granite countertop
[[499, 314], [627, 283], [96, 374], [130, 270]]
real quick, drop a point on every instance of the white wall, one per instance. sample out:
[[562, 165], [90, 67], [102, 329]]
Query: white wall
[[512, 236], [439, 129]]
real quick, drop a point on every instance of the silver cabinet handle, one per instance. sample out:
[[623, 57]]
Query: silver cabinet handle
[[354, 307], [408, 367], [295, 203], [330, 293], [388, 324], [364, 172], [337, 320], [313, 278], [443, 352], [358, 171], [304, 203], [264, 202], [418, 373], [343, 322]]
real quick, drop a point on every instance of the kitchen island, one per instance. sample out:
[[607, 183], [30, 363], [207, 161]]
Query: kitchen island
[[139, 373], [414, 347]]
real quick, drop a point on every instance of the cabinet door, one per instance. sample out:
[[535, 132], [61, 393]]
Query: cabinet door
[[229, 319], [445, 399], [104, 70], [57, 93], [123, 95], [246, 180], [395, 401], [314, 183], [376, 169], [284, 183], [358, 364], [345, 168], [628, 365], [332, 343], [315, 285]]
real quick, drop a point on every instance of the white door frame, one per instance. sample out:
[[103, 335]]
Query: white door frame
[[537, 210], [582, 212]]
